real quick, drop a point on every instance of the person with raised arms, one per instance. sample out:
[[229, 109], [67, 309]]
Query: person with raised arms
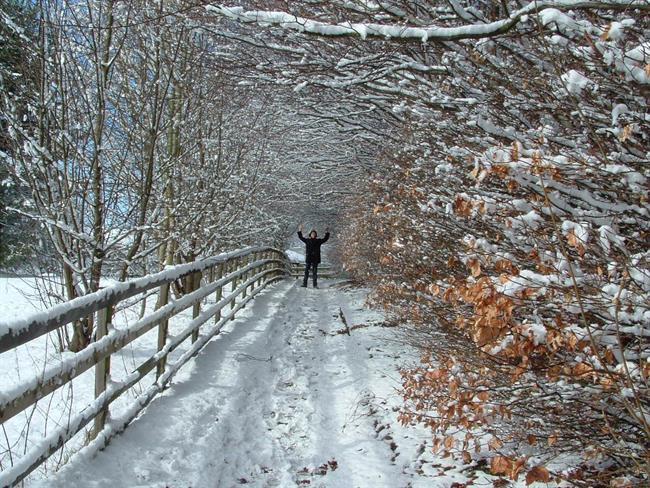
[[312, 253]]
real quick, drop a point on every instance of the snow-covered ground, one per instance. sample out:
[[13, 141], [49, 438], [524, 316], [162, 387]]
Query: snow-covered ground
[[295, 256], [26, 363], [284, 396]]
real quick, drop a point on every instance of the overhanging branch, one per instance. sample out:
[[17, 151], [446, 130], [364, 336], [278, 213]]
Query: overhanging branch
[[405, 32]]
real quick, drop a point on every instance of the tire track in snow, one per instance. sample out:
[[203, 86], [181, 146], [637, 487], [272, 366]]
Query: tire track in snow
[[346, 432]]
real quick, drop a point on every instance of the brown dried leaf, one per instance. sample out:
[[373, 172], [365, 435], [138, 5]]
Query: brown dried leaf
[[501, 170], [475, 267], [495, 443], [538, 473], [467, 457], [485, 335], [514, 152], [581, 369], [625, 134], [572, 239], [500, 465], [526, 293], [503, 265], [449, 442], [435, 444], [462, 207], [516, 468], [448, 294]]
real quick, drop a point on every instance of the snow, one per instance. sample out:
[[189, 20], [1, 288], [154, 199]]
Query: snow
[[617, 111], [363, 30], [531, 219], [37, 359], [575, 82], [537, 331], [635, 180], [551, 15], [616, 31], [284, 395], [641, 53], [545, 10], [123, 290], [300, 86], [18, 297], [71, 363], [277, 395], [607, 236], [295, 256], [563, 22], [635, 61], [580, 230]]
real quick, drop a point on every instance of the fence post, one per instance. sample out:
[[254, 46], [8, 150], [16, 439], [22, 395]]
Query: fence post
[[260, 268], [252, 259], [255, 270], [163, 299], [282, 262], [233, 285], [196, 309], [219, 293], [264, 267], [102, 368], [267, 266], [245, 262]]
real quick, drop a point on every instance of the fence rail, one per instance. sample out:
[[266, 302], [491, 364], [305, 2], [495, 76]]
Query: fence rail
[[248, 271], [324, 270]]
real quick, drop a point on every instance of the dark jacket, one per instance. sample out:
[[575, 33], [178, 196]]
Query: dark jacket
[[312, 253]]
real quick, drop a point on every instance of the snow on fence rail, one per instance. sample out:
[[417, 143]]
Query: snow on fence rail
[[249, 271]]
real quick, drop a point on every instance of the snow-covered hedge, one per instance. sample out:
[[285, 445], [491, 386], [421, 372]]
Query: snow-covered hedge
[[513, 233]]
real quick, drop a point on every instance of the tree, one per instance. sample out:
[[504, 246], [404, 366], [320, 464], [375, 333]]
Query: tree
[[509, 222], [17, 77]]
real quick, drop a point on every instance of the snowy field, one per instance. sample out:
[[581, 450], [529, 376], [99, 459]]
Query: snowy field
[[284, 396], [28, 362]]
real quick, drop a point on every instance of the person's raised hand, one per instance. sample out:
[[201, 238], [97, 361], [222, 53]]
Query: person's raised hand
[[327, 229], [300, 227]]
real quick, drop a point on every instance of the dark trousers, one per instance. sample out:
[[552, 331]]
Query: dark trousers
[[314, 273]]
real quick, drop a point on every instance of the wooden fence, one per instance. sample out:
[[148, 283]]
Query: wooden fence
[[324, 270], [247, 271]]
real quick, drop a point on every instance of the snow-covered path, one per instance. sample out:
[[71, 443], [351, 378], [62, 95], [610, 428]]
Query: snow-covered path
[[281, 398]]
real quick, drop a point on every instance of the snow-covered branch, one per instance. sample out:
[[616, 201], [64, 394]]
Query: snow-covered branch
[[405, 32]]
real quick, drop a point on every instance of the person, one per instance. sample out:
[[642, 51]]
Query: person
[[312, 253]]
